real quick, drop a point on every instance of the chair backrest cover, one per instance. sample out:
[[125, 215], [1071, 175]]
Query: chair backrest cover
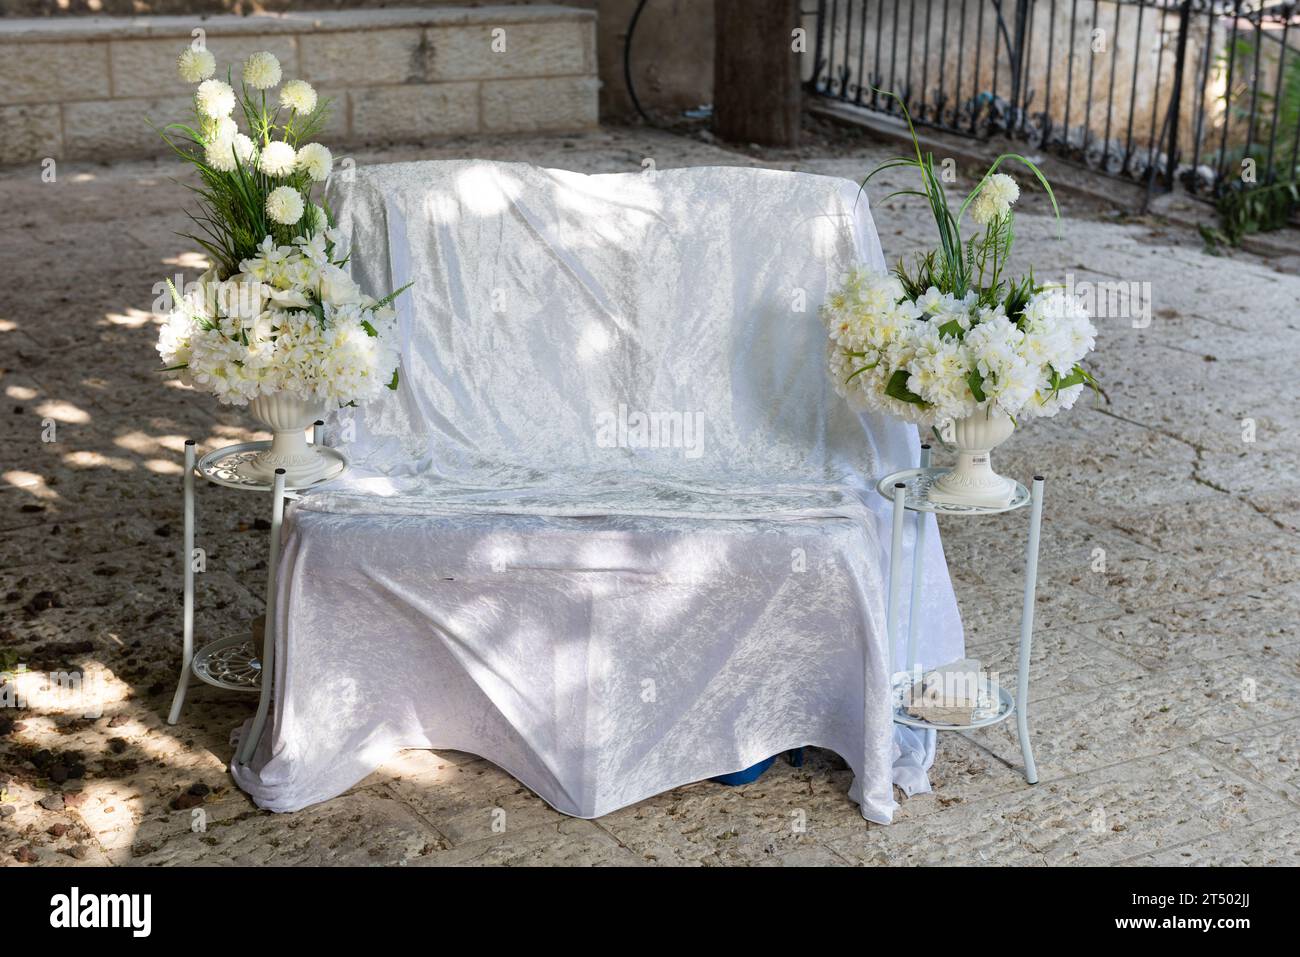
[[657, 324]]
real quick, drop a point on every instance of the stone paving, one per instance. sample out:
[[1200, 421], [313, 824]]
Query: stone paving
[[1166, 677]]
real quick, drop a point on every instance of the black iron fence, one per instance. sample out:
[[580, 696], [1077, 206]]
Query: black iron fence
[[1205, 92]]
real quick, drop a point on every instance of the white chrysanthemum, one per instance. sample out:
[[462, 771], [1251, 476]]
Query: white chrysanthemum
[[220, 155], [994, 199], [284, 205], [315, 160], [277, 159], [244, 147], [195, 65], [214, 99], [299, 96], [262, 71]]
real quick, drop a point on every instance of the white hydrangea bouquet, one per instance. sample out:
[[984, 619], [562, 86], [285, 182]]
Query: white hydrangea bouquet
[[276, 323], [956, 344]]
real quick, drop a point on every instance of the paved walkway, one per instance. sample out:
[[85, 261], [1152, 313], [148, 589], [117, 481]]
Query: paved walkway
[[1166, 675]]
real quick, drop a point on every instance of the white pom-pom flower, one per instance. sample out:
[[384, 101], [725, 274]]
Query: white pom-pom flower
[[315, 160], [214, 99], [261, 71], [994, 199], [277, 159], [220, 155], [299, 96], [195, 65], [220, 128], [284, 205], [244, 147]]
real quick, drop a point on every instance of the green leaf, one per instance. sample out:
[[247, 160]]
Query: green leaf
[[391, 296], [952, 328], [860, 371], [392, 383], [955, 278], [976, 383], [371, 331], [176, 296], [1077, 376], [897, 389]]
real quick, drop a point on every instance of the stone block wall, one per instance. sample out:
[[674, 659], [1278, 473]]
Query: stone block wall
[[87, 87]]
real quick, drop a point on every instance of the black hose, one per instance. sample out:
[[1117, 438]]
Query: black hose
[[627, 61]]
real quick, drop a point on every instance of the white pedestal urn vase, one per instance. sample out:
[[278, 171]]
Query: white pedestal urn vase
[[288, 418], [972, 481]]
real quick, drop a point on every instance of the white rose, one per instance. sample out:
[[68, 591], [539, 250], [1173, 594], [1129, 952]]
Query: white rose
[[337, 287], [214, 99], [315, 160], [284, 205], [195, 65], [277, 159], [289, 298], [262, 71], [298, 96]]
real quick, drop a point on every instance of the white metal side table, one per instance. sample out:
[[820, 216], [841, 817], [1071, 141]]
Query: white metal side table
[[909, 490], [233, 662]]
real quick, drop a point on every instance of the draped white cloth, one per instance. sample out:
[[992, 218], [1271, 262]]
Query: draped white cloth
[[614, 532]]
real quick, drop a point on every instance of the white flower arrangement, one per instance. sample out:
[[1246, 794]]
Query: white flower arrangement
[[276, 312], [938, 358], [954, 337], [290, 321]]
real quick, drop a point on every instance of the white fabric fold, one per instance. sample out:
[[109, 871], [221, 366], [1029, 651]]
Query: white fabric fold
[[512, 569]]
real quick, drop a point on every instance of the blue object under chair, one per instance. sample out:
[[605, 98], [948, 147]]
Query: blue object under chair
[[755, 771]]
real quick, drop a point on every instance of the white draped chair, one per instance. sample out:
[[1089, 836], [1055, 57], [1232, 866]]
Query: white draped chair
[[614, 532]]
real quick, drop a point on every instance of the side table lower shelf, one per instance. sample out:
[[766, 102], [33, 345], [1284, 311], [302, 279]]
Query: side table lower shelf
[[1006, 708], [232, 664]]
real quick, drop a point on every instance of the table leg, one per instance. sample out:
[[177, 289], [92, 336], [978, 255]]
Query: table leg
[[1027, 630], [249, 744], [895, 585], [918, 566], [187, 558]]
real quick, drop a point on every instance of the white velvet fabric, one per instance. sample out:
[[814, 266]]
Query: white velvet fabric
[[514, 569]]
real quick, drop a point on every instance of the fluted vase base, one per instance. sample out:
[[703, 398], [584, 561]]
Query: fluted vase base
[[288, 418], [972, 480]]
